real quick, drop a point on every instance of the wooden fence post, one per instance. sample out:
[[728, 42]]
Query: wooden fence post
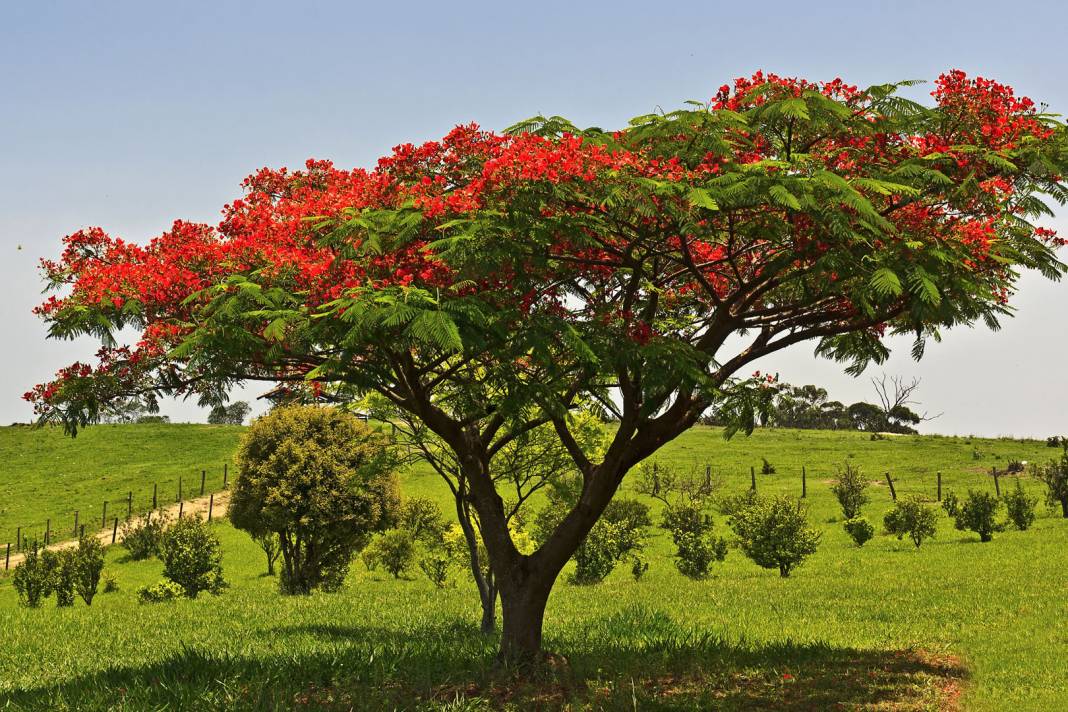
[[752, 478], [939, 486], [804, 482], [708, 476], [893, 492], [7, 558], [203, 476], [155, 491], [114, 530], [226, 473], [181, 506], [997, 485], [211, 505], [48, 530]]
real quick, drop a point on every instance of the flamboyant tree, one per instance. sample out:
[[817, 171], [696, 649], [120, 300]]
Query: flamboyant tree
[[488, 283]]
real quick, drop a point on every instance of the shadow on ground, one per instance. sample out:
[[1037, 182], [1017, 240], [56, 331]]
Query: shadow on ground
[[636, 659]]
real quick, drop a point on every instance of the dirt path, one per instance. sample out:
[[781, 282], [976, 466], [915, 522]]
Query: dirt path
[[197, 506]]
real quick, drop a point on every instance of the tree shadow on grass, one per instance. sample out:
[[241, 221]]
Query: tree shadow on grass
[[635, 659]]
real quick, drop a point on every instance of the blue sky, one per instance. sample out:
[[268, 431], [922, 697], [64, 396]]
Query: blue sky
[[128, 115]]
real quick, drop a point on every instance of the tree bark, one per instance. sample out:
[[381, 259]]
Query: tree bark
[[523, 611], [1064, 507]]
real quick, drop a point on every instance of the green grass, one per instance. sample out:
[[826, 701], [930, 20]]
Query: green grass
[[885, 626], [46, 475]]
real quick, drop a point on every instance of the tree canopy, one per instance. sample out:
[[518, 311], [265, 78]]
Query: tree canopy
[[489, 283]]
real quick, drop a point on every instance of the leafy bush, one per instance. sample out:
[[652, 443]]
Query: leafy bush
[[628, 511], [774, 533], [732, 504], [320, 479], [422, 517], [1054, 441], [34, 578], [849, 488], [393, 550], [62, 576], [443, 556], [1020, 508], [767, 468], [165, 590], [638, 567], [191, 556], [87, 563], [951, 503], [1055, 475], [111, 584], [604, 547], [268, 542], [978, 513], [696, 552], [1015, 466], [911, 517], [142, 535], [860, 530]]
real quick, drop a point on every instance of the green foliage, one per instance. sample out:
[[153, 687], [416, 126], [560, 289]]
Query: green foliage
[[860, 530], [62, 576], [951, 503], [1055, 475], [767, 468], [1020, 507], [638, 567], [849, 488], [110, 581], [732, 504], [911, 516], [87, 563], [978, 513], [321, 480], [442, 556], [774, 533], [165, 590], [268, 542], [143, 535], [191, 556], [695, 552], [233, 414], [34, 578], [421, 517], [394, 550]]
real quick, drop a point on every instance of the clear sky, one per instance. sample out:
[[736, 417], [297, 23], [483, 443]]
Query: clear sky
[[128, 115]]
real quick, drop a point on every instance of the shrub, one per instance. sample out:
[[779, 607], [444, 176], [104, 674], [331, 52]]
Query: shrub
[[1055, 475], [34, 578], [1015, 466], [859, 529], [605, 545], [165, 590], [951, 504], [422, 517], [638, 567], [1054, 441], [142, 535], [875, 437], [849, 488], [393, 550], [443, 556], [696, 552], [268, 542], [321, 480], [732, 504], [111, 584], [628, 511], [1020, 507], [87, 562], [774, 533], [910, 516], [977, 513], [62, 575], [191, 556], [767, 468], [681, 518]]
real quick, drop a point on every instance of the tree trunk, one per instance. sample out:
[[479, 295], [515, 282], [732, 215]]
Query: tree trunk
[[489, 611], [522, 613], [1064, 507]]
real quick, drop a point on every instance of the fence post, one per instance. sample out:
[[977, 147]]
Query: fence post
[[211, 505], [203, 476], [18, 539], [114, 530], [104, 516], [155, 491], [939, 486], [226, 473], [708, 476], [48, 530], [7, 558], [893, 492], [129, 504], [997, 485], [81, 534], [752, 478], [804, 482], [181, 506]]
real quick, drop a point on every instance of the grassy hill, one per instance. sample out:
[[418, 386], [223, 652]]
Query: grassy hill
[[886, 626], [45, 474]]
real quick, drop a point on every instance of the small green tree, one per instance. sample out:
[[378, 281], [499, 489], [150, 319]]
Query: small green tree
[[1055, 475], [321, 480], [849, 488], [1020, 507], [394, 550], [911, 516], [978, 513], [268, 542], [142, 535], [87, 563], [774, 533], [860, 530], [191, 556], [34, 578], [59, 562]]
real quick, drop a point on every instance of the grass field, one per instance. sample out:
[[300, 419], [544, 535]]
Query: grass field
[[882, 627], [45, 474]]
